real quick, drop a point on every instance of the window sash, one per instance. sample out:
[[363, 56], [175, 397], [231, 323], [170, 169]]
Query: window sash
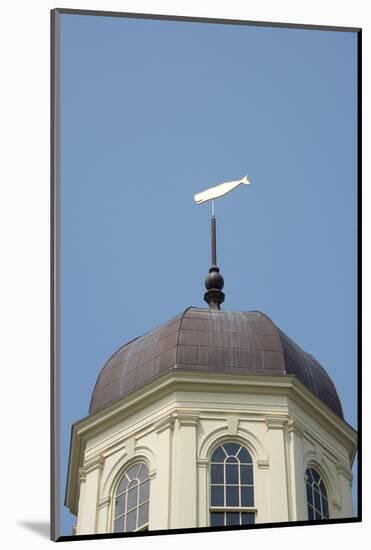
[[317, 497], [240, 479], [122, 518]]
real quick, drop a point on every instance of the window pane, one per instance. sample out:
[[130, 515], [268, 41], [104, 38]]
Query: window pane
[[131, 520], [244, 456], [144, 491], [231, 448], [216, 519], [217, 495], [119, 505], [315, 475], [247, 518], [232, 496], [310, 512], [122, 485], [218, 455], [231, 473], [323, 489], [247, 477], [118, 525], [143, 514], [325, 507], [318, 515], [144, 473], [317, 500], [309, 475], [233, 518], [247, 496], [217, 473], [309, 494], [133, 471], [133, 497]]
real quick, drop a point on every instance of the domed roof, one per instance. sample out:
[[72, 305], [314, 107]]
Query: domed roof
[[210, 340]]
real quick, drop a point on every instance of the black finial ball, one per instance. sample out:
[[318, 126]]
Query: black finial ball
[[214, 280]]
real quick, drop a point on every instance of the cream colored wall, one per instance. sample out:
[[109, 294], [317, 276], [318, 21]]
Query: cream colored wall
[[175, 437]]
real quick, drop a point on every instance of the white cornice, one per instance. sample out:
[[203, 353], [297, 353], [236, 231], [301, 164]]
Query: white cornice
[[183, 380], [198, 382]]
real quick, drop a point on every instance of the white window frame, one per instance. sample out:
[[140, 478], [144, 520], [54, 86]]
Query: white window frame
[[144, 526], [230, 509]]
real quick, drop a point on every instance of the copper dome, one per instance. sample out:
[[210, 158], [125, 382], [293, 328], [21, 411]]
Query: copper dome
[[210, 340]]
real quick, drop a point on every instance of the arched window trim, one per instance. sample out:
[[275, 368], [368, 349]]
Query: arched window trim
[[248, 511], [220, 435], [123, 472], [320, 509]]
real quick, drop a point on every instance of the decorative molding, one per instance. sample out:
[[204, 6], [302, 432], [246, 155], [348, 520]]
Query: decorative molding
[[311, 461], [294, 426], [244, 436], [344, 470], [104, 502], [263, 464], [82, 475], [130, 447], [276, 385], [276, 422], [232, 424], [185, 419], [146, 452], [319, 453], [141, 452], [93, 463], [165, 423], [336, 504]]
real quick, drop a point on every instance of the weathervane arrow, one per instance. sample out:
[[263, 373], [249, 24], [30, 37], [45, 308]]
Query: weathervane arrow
[[214, 281]]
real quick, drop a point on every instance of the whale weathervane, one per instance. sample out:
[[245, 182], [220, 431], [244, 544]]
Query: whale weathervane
[[219, 190]]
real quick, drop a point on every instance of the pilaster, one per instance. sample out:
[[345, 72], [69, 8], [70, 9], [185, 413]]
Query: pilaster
[[278, 479], [184, 501], [296, 470], [89, 475], [161, 489], [344, 480]]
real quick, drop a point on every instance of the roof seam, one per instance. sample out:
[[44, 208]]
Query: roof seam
[[178, 337], [279, 337]]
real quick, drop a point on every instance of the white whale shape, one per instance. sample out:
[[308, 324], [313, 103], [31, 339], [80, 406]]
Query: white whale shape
[[219, 190]]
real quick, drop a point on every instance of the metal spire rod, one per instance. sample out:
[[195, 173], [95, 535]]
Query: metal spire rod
[[213, 235]]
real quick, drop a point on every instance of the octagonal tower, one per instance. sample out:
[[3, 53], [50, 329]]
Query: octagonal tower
[[213, 418]]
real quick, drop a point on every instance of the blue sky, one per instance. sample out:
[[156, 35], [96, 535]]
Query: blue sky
[[155, 111]]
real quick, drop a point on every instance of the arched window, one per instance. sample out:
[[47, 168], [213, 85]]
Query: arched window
[[317, 499], [132, 500], [231, 486]]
